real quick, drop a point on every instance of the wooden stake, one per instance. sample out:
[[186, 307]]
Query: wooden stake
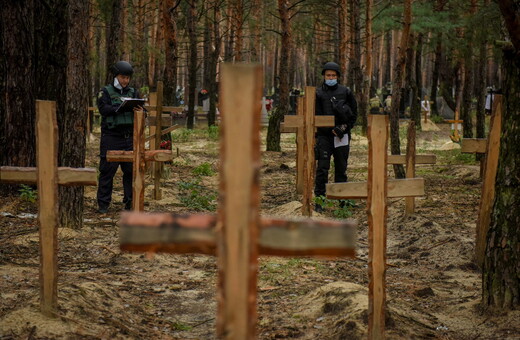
[[308, 150], [410, 165], [377, 213], [138, 172], [47, 162], [239, 215], [489, 177], [299, 149], [157, 166]]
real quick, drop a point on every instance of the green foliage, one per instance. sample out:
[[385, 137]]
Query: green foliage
[[144, 91], [179, 326], [342, 208], [27, 193], [182, 135], [437, 119], [205, 169], [213, 133], [197, 197], [454, 157]]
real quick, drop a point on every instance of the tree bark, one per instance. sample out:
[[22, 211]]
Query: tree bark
[[343, 38], [113, 38], [273, 130], [192, 63], [435, 75], [395, 143], [368, 65], [17, 110], [415, 109], [171, 53], [501, 273], [72, 141], [214, 55]]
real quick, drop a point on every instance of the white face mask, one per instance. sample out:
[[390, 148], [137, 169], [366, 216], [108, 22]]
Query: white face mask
[[117, 85]]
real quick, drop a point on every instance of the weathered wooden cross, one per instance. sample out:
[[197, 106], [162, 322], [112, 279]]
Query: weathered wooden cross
[[238, 235], [138, 156], [47, 176], [305, 124], [376, 190], [455, 127], [411, 159], [491, 148]]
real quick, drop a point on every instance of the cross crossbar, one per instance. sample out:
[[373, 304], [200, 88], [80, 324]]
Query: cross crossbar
[[171, 233], [151, 155], [396, 188], [419, 159], [66, 175]]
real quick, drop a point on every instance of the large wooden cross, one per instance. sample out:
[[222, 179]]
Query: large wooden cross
[[238, 235], [47, 176], [305, 124], [491, 148], [376, 190]]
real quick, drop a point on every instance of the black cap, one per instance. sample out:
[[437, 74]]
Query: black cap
[[122, 67], [331, 66]]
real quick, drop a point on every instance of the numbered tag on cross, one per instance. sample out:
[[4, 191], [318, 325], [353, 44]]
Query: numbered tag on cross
[[237, 235]]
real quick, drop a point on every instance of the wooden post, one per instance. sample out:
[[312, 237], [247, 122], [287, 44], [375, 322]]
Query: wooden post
[[138, 172], [488, 183], [377, 212], [309, 162], [239, 215], [46, 163], [299, 149], [157, 166], [410, 165]]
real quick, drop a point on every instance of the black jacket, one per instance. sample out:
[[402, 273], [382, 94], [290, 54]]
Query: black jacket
[[326, 96], [106, 108]]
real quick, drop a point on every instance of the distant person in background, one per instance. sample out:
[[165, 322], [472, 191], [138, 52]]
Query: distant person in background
[[425, 106], [490, 97], [388, 104], [333, 99], [116, 134]]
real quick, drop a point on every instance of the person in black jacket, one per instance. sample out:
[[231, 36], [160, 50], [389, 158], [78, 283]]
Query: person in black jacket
[[116, 134], [338, 100]]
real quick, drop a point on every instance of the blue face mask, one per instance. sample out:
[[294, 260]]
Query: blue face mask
[[331, 82]]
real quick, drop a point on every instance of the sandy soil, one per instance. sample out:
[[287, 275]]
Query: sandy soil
[[433, 287]]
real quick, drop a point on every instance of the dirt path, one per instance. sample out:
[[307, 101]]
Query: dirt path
[[433, 287]]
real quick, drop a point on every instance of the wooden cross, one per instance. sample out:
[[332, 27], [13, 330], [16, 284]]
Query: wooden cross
[[238, 235], [47, 176], [139, 156], [491, 148], [305, 126], [455, 124], [376, 190], [411, 159]]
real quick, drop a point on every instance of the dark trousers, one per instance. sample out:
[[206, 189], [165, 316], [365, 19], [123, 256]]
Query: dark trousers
[[324, 150], [107, 170]]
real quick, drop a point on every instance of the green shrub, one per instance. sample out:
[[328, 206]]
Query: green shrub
[[342, 208], [213, 133], [197, 197], [204, 169], [27, 193]]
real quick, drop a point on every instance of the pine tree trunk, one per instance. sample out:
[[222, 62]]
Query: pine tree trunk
[[113, 38], [501, 272], [17, 105], [214, 55], [415, 109], [343, 38], [395, 143], [435, 75], [192, 62], [171, 53], [273, 131], [238, 21], [368, 65], [72, 140]]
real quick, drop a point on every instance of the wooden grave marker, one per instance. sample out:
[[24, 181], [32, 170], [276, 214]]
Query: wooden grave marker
[[305, 126], [376, 190], [47, 176], [491, 148], [238, 235], [138, 157]]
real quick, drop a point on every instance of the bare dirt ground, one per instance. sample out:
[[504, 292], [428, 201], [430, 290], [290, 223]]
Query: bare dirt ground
[[433, 287]]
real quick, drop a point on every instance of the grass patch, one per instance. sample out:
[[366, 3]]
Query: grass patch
[[197, 197], [205, 169]]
